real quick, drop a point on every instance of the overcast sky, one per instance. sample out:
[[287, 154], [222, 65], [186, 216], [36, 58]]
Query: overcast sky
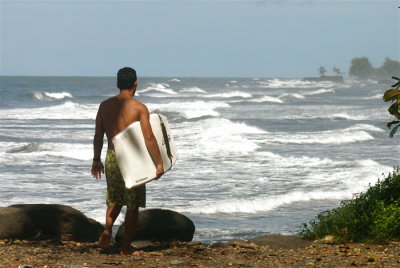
[[195, 38]]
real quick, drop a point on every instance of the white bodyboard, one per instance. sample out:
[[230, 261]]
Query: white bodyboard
[[134, 160]]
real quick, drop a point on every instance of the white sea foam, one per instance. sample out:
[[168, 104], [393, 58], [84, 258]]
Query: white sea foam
[[279, 83], [191, 110], [319, 91], [324, 171], [293, 95], [211, 144], [6, 146], [218, 136], [267, 99], [226, 125], [73, 151], [160, 87], [231, 94], [335, 116], [352, 134], [263, 204], [347, 116], [51, 132], [374, 97], [192, 90], [325, 179], [301, 162], [49, 125], [301, 95], [67, 110], [322, 138], [365, 127], [175, 80], [68, 150], [42, 95]]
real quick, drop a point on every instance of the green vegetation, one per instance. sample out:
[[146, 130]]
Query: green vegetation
[[363, 69], [337, 71], [372, 216], [322, 71], [393, 95]]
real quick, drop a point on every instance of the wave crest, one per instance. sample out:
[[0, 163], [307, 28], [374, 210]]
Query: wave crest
[[190, 110], [159, 87], [43, 95], [351, 134], [231, 94], [192, 90]]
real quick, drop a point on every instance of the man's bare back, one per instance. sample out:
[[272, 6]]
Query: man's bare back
[[117, 113]]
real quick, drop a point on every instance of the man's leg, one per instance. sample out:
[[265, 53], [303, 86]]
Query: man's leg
[[111, 215], [131, 219]]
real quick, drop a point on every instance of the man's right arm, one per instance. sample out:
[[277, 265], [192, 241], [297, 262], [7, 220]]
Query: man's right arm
[[150, 140], [97, 165]]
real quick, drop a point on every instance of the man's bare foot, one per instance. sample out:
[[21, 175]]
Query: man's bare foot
[[105, 239], [131, 251]]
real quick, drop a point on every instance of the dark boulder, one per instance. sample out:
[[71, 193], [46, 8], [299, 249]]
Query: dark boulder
[[16, 223], [161, 225], [62, 222]]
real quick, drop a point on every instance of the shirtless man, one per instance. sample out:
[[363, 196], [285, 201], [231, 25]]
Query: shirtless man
[[113, 116]]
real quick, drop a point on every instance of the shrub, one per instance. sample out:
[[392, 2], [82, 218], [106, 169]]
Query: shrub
[[370, 216], [393, 95]]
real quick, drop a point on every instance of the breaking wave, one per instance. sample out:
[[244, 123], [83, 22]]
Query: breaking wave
[[191, 110], [43, 95], [232, 94], [159, 87], [192, 90]]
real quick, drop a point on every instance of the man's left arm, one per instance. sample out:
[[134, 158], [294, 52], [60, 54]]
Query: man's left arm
[[97, 165]]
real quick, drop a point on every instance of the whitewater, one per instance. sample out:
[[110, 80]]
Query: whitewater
[[256, 155]]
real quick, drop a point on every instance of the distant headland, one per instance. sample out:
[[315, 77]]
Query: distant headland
[[361, 69]]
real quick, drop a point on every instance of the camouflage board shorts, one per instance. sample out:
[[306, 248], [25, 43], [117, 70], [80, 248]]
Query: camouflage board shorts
[[117, 194]]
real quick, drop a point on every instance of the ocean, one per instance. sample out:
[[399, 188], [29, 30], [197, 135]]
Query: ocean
[[256, 156]]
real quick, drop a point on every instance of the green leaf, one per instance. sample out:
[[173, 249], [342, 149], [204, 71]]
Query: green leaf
[[394, 130], [391, 94], [393, 108], [396, 86], [389, 124]]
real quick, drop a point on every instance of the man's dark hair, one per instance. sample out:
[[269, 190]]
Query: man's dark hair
[[126, 77]]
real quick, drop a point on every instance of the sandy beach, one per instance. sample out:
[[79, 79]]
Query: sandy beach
[[18, 253]]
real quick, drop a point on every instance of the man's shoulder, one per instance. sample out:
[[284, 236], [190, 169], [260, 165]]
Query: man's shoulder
[[105, 103], [132, 103], [137, 103], [107, 100]]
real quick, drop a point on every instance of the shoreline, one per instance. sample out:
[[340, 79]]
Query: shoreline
[[281, 252]]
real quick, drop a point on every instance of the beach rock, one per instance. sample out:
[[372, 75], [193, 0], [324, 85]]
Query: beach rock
[[280, 241], [161, 225], [15, 223], [62, 222]]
